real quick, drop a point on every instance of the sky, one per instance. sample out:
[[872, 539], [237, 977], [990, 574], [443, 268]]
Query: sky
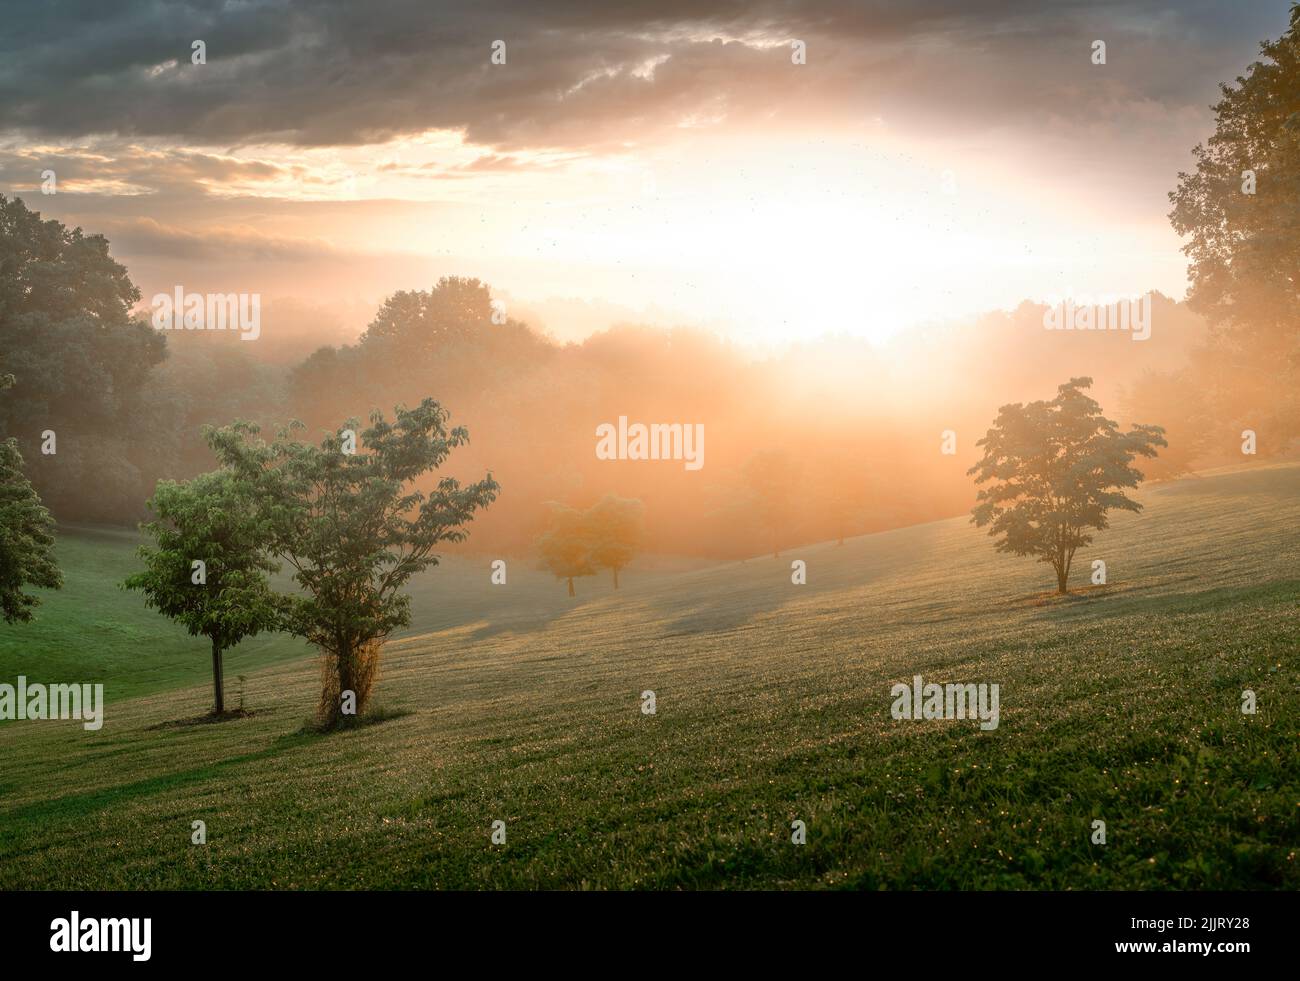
[[660, 162]]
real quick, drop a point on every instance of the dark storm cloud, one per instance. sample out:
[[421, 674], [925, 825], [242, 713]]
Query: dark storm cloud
[[592, 75]]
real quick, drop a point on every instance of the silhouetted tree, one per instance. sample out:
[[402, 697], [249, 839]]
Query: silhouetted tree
[[1244, 241], [1057, 468]]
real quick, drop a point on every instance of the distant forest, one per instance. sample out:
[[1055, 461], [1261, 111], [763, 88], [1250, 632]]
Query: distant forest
[[830, 438]]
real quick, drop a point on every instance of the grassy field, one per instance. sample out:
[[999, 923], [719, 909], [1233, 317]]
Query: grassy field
[[93, 631], [515, 703]]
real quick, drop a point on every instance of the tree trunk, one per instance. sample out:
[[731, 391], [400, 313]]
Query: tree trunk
[[216, 676], [347, 681], [351, 667], [571, 592], [616, 577], [1062, 574]]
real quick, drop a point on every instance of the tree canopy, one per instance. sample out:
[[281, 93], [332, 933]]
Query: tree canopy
[[347, 517], [1240, 209], [565, 547], [67, 334], [26, 535], [210, 520], [1055, 470], [614, 525]]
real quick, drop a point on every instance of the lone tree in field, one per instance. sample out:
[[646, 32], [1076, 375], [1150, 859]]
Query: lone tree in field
[[208, 520], [1058, 467], [347, 518], [566, 546], [26, 536], [615, 526]]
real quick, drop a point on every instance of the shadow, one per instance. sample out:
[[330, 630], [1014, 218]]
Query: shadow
[[348, 723], [1051, 598], [740, 591], [1147, 599], [209, 718], [78, 806], [1276, 481]]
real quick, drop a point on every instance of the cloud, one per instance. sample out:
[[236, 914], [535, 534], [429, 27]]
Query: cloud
[[486, 163], [107, 166], [145, 237], [584, 76]]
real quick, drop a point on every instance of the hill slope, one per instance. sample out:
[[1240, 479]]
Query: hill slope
[[1120, 704]]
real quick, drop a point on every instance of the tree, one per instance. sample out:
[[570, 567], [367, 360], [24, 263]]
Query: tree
[[614, 525], [208, 520], [772, 477], [1240, 209], [451, 338], [67, 332], [26, 536], [845, 494], [1188, 422], [1057, 468], [566, 545], [348, 519]]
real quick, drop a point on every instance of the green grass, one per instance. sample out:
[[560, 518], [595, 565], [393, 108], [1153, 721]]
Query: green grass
[[91, 630], [515, 703]]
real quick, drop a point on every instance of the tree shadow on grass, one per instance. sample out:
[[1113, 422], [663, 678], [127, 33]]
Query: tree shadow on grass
[[1131, 599], [208, 718], [1276, 482], [1051, 599], [16, 824], [348, 723]]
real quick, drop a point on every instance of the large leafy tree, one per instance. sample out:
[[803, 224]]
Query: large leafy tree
[[449, 338], [210, 520], [1055, 470], [67, 334], [347, 517], [26, 535], [1244, 247]]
